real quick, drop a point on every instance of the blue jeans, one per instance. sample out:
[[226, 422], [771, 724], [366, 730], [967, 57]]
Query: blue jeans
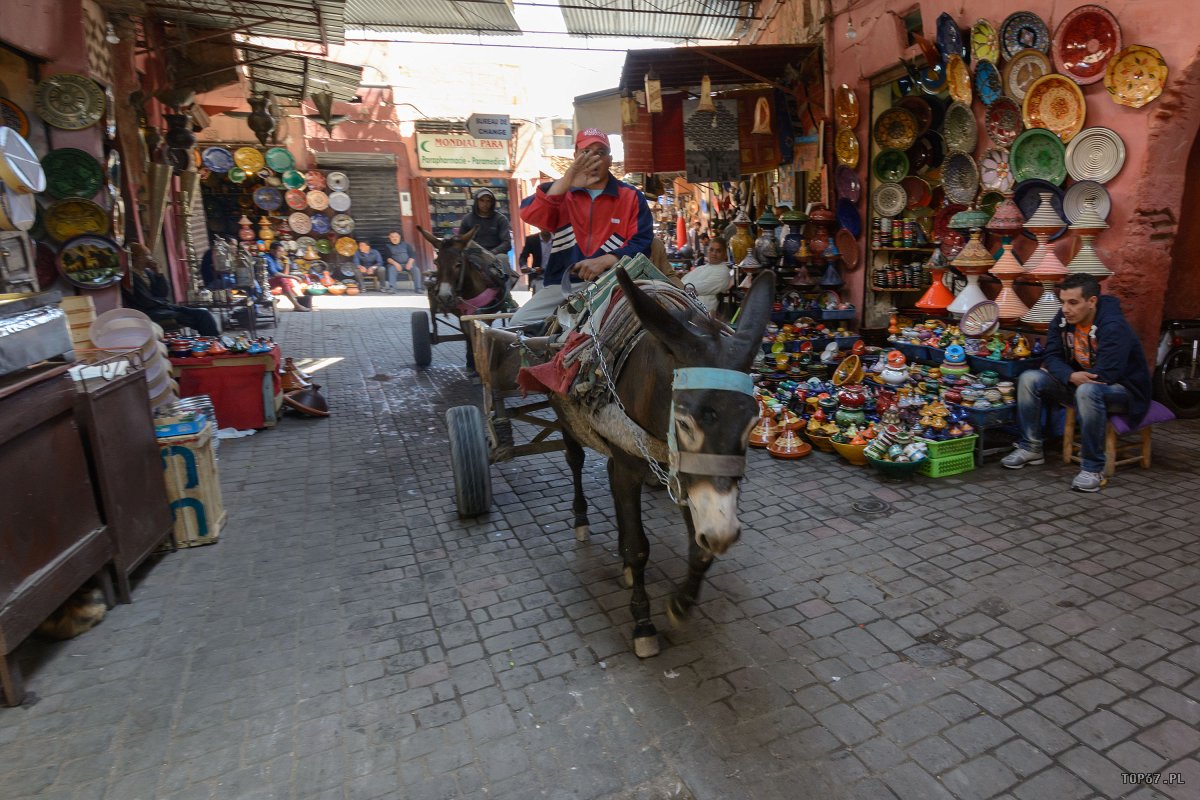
[[1093, 403], [393, 273]]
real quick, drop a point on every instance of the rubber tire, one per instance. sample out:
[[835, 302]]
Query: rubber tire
[[469, 461], [1163, 394], [422, 349]]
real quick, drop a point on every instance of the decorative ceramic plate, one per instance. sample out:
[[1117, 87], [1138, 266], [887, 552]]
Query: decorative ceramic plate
[[339, 201], [91, 261], [249, 159], [958, 79], [1003, 121], [932, 146], [985, 42], [324, 246], [1083, 194], [337, 181], [303, 243], [268, 199], [318, 200], [342, 224], [994, 172], [279, 159], [918, 155], [320, 223], [989, 201], [890, 166], [75, 216], [932, 79], [69, 101], [980, 319], [1056, 103], [845, 105], [1135, 76], [1026, 195], [1024, 30], [1084, 42], [346, 246], [845, 145], [960, 178], [315, 179], [1038, 153], [236, 175], [295, 199], [217, 159], [1096, 154], [889, 200], [951, 240], [12, 116], [299, 222], [950, 38], [848, 184], [848, 217], [847, 248], [72, 173], [1022, 70], [988, 84], [20, 168], [293, 180], [920, 109], [896, 128], [918, 192], [960, 129]]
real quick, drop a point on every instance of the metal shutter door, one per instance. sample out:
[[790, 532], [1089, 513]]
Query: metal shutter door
[[374, 203]]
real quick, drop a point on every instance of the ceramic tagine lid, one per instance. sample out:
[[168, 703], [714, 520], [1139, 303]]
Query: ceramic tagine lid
[[1007, 220], [789, 445], [1045, 219], [971, 219], [768, 220], [750, 263], [974, 258], [1087, 261]]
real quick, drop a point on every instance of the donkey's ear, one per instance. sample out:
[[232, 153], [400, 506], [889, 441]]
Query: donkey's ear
[[753, 317], [469, 235], [683, 344], [433, 240]]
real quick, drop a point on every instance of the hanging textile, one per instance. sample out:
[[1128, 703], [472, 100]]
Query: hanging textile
[[711, 141], [758, 152]]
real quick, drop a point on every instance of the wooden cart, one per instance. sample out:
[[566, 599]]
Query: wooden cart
[[482, 437]]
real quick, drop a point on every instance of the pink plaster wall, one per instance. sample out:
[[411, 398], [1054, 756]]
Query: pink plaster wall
[[1146, 195]]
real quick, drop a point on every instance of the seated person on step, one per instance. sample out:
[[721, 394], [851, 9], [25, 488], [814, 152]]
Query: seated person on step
[[712, 278], [1093, 360]]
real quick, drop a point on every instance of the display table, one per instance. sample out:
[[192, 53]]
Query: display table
[[51, 536], [245, 389]]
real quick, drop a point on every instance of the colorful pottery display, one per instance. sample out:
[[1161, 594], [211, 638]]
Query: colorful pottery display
[[1027, 195], [299, 223], [1038, 153], [960, 179], [1085, 195], [1003, 121], [985, 42], [949, 38], [988, 83], [267, 198], [937, 297], [1055, 103], [1021, 31], [1084, 42], [236, 175], [91, 261], [315, 179], [279, 159], [973, 260], [1022, 70], [320, 224], [958, 79], [960, 129], [295, 199], [845, 105], [895, 128], [1006, 222], [1135, 76], [317, 200], [345, 246], [889, 200], [845, 146], [994, 172], [75, 216], [249, 159], [1095, 154], [950, 241], [917, 191], [890, 166], [69, 101], [293, 179]]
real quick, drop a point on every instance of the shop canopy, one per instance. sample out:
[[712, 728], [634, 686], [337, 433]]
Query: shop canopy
[[659, 19], [493, 17], [318, 21], [683, 67], [286, 73]]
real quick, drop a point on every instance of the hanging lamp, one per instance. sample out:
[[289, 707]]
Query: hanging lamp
[[706, 101]]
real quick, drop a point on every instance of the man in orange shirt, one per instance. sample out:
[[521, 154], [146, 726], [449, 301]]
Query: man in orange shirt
[[1093, 360]]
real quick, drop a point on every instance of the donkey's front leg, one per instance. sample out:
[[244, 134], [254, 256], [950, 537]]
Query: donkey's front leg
[[575, 459], [626, 474], [688, 592]]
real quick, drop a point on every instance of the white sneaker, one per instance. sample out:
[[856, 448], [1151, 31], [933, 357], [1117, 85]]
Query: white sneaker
[[1088, 481], [1021, 457]]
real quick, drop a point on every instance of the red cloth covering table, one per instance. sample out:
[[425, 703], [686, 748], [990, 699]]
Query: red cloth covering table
[[245, 389]]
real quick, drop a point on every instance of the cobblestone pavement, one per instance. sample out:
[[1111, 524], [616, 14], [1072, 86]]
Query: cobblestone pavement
[[987, 636]]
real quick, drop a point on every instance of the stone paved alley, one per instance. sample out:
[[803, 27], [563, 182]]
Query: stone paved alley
[[988, 636]]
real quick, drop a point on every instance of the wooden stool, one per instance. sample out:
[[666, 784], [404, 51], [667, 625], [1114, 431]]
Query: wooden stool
[[1117, 452]]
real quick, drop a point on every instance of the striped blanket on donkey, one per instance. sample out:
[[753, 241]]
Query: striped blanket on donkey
[[598, 320]]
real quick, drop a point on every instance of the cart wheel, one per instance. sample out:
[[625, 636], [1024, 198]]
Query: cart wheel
[[469, 461], [422, 351]]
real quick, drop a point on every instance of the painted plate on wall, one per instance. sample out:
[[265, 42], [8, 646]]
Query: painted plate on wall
[[890, 166], [293, 179], [249, 159], [315, 179], [1086, 194], [917, 189], [72, 173], [994, 171], [921, 110], [889, 199], [320, 223], [985, 42], [848, 184], [1056, 103], [845, 146], [950, 38], [217, 159], [324, 246], [69, 101], [267, 198], [1096, 154], [295, 199], [1022, 70], [91, 261], [279, 159], [342, 224], [958, 79], [960, 178], [1084, 42], [236, 175], [346, 246], [12, 116], [845, 105], [337, 181], [896, 128], [1135, 76], [339, 201], [318, 200], [1003, 121], [1024, 30], [299, 222], [848, 218], [988, 84], [75, 216], [960, 130], [1038, 153]]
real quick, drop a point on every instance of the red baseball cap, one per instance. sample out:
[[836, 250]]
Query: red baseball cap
[[590, 136]]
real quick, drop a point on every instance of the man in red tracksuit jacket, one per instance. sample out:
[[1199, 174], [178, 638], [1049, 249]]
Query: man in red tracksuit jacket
[[595, 219]]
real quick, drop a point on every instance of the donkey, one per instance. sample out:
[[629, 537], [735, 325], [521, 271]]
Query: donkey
[[702, 432], [470, 280]]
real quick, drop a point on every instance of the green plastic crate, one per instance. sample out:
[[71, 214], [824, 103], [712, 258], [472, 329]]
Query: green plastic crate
[[949, 465], [951, 447]]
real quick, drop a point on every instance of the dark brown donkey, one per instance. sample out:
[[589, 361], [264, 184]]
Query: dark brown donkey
[[687, 366], [470, 280]]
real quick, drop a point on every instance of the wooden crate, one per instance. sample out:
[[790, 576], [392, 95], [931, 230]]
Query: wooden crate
[[193, 487]]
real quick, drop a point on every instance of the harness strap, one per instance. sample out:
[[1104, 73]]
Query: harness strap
[[716, 464], [708, 464]]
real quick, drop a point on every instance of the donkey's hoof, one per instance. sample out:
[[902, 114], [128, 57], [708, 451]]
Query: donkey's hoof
[[627, 578], [677, 615], [646, 646], [582, 532]]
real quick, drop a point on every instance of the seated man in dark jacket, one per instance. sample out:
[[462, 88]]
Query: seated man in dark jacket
[[1094, 360], [144, 278]]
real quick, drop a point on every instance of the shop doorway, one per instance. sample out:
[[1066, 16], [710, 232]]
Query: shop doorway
[[1183, 283]]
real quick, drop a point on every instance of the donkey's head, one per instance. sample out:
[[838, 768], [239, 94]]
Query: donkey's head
[[713, 404], [451, 266]]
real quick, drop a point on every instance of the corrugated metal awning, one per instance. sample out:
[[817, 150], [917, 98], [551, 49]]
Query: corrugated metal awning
[[661, 19], [287, 73], [493, 17], [318, 21], [745, 65]]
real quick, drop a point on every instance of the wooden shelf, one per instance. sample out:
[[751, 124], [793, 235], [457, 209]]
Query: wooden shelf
[[881, 291], [903, 249]]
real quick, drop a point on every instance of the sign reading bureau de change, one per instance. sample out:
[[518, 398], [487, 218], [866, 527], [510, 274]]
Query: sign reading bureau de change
[[456, 151], [490, 126]]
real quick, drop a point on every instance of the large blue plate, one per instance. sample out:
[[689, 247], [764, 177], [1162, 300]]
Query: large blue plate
[[320, 223], [268, 199], [950, 38], [218, 159], [848, 218]]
